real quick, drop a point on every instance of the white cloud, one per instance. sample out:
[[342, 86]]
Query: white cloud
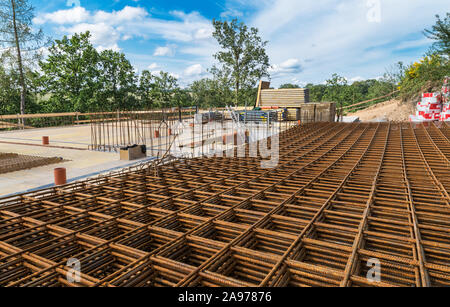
[[290, 66], [298, 82], [338, 37], [309, 41], [175, 75], [194, 70], [188, 34], [203, 33], [73, 15], [113, 47], [186, 28], [414, 43], [158, 73], [153, 67], [164, 51], [128, 13], [108, 29], [355, 79], [103, 36], [231, 13]]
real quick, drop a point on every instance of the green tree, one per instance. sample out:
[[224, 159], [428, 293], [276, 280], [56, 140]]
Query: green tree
[[146, 89], [182, 98], [10, 89], [71, 75], [164, 87], [207, 93], [117, 80], [440, 33], [424, 75], [243, 58], [16, 31], [9, 92], [379, 88], [316, 92], [289, 85], [394, 73], [335, 91]]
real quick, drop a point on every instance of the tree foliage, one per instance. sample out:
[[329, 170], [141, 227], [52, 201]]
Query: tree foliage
[[146, 89], [209, 93], [424, 75], [289, 85], [16, 32], [164, 89], [77, 77], [10, 88], [117, 80], [337, 89], [70, 74], [440, 33], [243, 59], [22, 16]]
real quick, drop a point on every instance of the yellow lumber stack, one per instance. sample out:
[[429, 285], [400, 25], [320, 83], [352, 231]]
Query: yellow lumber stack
[[291, 97]]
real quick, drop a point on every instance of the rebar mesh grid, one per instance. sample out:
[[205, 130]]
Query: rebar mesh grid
[[341, 197], [12, 162]]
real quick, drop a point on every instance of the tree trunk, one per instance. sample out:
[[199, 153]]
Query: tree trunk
[[238, 76], [236, 99], [19, 59]]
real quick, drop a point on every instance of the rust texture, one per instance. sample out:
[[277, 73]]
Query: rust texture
[[341, 196], [12, 162]]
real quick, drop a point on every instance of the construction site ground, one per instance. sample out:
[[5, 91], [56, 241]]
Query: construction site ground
[[78, 161], [71, 144], [340, 197], [391, 110]]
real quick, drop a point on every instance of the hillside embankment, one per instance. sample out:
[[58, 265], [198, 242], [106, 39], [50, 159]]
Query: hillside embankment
[[390, 110]]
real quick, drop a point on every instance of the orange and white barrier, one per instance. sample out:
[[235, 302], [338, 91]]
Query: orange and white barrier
[[434, 106], [429, 108], [445, 114]]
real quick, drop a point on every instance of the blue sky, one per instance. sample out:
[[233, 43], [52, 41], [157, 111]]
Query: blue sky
[[308, 39]]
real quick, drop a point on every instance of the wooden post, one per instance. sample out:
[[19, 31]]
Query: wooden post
[[263, 85]]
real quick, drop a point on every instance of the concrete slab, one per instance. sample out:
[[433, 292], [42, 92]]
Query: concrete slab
[[79, 163], [72, 136]]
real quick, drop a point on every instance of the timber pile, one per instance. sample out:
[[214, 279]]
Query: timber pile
[[284, 97], [313, 112]]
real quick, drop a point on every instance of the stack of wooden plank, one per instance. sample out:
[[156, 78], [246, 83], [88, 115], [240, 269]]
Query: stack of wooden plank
[[284, 97], [313, 112]]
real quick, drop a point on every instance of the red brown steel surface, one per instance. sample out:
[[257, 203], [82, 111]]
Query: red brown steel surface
[[341, 195], [12, 162]]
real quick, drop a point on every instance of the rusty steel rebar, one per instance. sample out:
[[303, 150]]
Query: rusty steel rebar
[[341, 196]]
